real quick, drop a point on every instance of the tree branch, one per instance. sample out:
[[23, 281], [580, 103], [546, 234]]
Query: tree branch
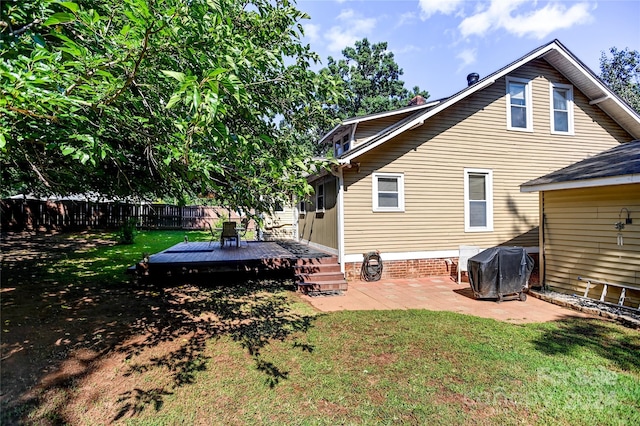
[[32, 114], [132, 74], [37, 172], [21, 30]]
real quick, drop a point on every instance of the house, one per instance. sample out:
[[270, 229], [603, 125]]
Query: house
[[591, 226], [417, 183], [279, 224]]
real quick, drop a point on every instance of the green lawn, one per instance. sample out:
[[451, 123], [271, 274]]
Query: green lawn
[[253, 352]]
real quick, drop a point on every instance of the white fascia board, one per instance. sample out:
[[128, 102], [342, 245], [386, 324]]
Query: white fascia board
[[330, 133], [451, 101], [586, 183], [608, 94], [416, 122], [481, 85], [384, 114]]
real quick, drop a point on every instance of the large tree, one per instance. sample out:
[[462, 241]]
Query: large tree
[[621, 72], [372, 78], [157, 98]]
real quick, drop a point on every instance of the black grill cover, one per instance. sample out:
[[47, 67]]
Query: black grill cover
[[499, 271]]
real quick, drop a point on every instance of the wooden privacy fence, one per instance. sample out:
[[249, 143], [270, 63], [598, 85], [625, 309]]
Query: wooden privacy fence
[[20, 215]]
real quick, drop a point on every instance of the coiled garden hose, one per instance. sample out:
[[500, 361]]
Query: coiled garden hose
[[371, 266]]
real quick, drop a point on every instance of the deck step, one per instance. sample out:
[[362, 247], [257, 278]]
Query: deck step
[[331, 260], [325, 286], [318, 268], [318, 275]]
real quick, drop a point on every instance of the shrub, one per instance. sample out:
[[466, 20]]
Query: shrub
[[127, 233]]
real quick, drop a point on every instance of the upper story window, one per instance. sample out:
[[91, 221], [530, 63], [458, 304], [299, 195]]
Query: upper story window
[[320, 197], [519, 106], [388, 192], [478, 200], [302, 208], [341, 144], [561, 109]]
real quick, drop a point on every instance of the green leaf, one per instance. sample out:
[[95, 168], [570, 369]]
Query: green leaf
[[59, 18], [3, 141], [196, 97], [70, 5], [174, 74], [216, 72], [68, 150], [175, 98]]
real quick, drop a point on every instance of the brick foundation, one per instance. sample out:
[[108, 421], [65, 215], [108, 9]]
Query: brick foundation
[[417, 268]]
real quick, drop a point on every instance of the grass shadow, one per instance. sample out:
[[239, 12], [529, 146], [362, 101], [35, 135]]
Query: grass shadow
[[65, 309], [579, 335]]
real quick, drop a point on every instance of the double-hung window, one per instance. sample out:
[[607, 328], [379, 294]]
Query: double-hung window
[[561, 109], [478, 200], [388, 192], [320, 197], [519, 106]]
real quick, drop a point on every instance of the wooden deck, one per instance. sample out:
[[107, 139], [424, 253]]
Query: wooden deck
[[250, 257]]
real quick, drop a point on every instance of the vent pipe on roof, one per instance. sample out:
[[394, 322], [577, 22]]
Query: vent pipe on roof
[[472, 78]]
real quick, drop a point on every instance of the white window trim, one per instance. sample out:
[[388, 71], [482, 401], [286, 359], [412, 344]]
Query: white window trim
[[338, 140], [489, 193], [324, 198], [569, 108], [302, 208], [374, 192], [528, 104]]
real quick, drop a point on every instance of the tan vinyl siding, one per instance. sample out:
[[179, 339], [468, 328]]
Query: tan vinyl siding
[[321, 227], [580, 238], [470, 134]]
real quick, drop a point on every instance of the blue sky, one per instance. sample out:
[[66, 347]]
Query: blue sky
[[437, 43]]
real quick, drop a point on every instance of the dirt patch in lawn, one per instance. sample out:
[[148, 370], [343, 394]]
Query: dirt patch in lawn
[[69, 340]]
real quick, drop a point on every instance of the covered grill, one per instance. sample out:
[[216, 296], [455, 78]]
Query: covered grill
[[500, 271]]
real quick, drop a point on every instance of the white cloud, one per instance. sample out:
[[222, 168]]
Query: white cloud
[[405, 18], [352, 28], [467, 57], [409, 48], [346, 14], [549, 19], [312, 31], [537, 23], [431, 7]]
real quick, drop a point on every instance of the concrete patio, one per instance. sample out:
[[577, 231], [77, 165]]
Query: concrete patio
[[437, 294], [433, 293]]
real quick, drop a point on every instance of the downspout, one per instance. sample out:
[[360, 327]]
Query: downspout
[[341, 219], [542, 266], [296, 222]]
